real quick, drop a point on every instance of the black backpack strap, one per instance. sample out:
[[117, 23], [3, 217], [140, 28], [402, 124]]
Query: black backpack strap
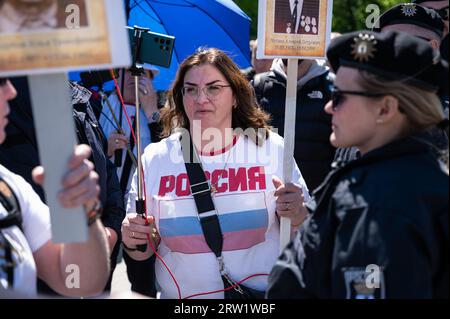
[[9, 201], [126, 171], [13, 218], [201, 191], [8, 264], [259, 82]]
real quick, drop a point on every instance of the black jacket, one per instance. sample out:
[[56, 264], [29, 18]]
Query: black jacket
[[19, 153], [313, 151], [89, 132], [389, 209]]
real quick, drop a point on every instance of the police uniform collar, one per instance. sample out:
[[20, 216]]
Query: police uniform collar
[[412, 144]]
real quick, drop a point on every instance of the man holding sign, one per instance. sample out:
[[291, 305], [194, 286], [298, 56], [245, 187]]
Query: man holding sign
[[26, 246]]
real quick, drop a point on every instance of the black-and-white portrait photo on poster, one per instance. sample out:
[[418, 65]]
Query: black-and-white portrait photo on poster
[[41, 15], [297, 16]]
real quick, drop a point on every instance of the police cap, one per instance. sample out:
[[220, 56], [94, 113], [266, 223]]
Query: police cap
[[393, 55], [411, 13]]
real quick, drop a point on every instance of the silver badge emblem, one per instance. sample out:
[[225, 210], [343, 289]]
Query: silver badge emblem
[[409, 9], [364, 47]]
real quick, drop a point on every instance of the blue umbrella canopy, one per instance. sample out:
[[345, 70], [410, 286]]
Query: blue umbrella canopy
[[195, 23]]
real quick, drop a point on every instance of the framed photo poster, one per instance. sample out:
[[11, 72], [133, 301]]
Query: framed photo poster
[[295, 29], [56, 36]]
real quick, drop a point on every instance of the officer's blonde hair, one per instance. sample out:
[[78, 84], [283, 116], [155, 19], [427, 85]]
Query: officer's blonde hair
[[422, 108]]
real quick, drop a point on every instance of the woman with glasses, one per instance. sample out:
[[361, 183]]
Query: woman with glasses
[[212, 116], [379, 225]]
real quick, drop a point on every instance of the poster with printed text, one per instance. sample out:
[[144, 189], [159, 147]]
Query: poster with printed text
[[294, 28]]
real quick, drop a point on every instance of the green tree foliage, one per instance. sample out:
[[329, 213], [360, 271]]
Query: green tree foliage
[[250, 7], [348, 15], [351, 15]]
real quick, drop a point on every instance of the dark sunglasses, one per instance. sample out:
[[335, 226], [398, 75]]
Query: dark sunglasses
[[337, 96], [443, 12], [3, 81]]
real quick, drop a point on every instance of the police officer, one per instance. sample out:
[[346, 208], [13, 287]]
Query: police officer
[[379, 225], [424, 23], [441, 7], [26, 247], [421, 22], [19, 154]]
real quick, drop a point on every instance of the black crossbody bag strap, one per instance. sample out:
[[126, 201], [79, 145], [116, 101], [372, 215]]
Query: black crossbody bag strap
[[201, 191], [14, 218], [10, 202]]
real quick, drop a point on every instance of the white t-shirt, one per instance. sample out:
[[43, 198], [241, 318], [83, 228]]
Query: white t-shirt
[[36, 232], [108, 126], [245, 204]]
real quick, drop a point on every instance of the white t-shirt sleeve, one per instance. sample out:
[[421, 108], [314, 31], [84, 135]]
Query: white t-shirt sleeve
[[132, 195]]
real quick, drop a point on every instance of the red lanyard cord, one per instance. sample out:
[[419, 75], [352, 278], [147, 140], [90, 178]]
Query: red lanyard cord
[[165, 265], [119, 94], [226, 289], [122, 103]]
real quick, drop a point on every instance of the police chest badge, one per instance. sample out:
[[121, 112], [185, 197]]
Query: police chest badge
[[364, 283]]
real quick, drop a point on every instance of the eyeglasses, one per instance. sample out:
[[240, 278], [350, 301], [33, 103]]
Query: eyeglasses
[[211, 91], [338, 95], [443, 12], [3, 81]]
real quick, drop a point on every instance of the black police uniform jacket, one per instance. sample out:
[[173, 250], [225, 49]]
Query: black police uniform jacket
[[388, 209]]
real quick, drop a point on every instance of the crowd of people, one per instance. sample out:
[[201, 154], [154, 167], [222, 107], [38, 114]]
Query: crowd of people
[[368, 202]]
